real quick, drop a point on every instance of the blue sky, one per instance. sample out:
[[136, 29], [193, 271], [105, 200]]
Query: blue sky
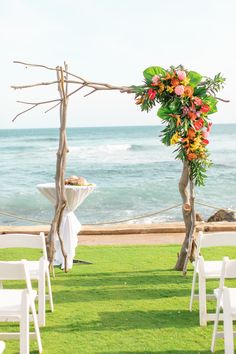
[[112, 41]]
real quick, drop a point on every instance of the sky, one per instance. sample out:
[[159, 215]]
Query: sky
[[111, 41]]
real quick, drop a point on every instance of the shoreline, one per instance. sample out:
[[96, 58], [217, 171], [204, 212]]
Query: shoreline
[[129, 234]]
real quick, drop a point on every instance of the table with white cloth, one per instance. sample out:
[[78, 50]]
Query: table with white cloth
[[70, 225]]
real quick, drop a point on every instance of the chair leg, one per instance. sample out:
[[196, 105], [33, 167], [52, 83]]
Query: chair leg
[[202, 300], [24, 325], [41, 302], [228, 325], [36, 327], [193, 289], [215, 324], [49, 290]]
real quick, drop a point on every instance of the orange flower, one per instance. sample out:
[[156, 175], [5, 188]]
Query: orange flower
[[169, 76], [191, 134], [192, 115], [191, 156], [174, 82], [178, 120], [188, 91], [186, 144]]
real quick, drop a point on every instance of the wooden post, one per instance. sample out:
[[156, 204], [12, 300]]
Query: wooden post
[[188, 211], [60, 172]]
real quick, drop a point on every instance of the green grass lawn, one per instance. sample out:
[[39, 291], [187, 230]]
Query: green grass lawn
[[128, 301]]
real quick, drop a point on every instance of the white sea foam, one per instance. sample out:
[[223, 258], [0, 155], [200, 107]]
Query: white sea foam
[[106, 148]]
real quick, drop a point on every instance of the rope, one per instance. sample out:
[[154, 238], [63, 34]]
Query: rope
[[142, 216], [101, 223], [22, 218], [214, 207], [138, 217]]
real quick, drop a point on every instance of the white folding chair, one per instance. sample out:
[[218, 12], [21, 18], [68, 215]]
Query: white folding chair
[[2, 346], [208, 270], [35, 267], [16, 304], [226, 300]]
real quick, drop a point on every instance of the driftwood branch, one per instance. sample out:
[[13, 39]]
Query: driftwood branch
[[16, 87], [61, 200], [186, 189], [35, 65], [34, 105], [190, 248], [186, 211], [47, 83], [26, 110]]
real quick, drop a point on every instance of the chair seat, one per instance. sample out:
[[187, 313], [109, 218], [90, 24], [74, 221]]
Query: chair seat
[[212, 269], [10, 300], [232, 293], [33, 267]]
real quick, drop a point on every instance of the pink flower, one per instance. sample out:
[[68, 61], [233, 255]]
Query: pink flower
[[209, 127], [197, 101], [151, 94], [198, 114], [155, 79], [205, 134], [179, 90], [185, 110], [181, 75]]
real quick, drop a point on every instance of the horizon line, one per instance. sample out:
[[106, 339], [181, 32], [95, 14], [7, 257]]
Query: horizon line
[[101, 126]]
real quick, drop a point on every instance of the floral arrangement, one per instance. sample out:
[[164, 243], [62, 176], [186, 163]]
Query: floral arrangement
[[187, 99]]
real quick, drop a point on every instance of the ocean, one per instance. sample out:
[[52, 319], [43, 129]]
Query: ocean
[[134, 172]]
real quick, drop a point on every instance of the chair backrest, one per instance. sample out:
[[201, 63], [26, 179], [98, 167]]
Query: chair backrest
[[24, 241], [15, 270], [228, 270], [216, 239]]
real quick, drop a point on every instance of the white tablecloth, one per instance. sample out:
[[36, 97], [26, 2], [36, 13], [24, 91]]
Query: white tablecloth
[[70, 225]]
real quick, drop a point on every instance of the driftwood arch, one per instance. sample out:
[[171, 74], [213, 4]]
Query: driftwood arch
[[63, 79]]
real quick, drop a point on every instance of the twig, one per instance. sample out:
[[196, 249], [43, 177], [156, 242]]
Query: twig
[[54, 106], [34, 105], [87, 94], [47, 67], [39, 103], [34, 85], [68, 95], [36, 65], [16, 87], [19, 114]]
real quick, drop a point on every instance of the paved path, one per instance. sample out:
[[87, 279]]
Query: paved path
[[129, 234]]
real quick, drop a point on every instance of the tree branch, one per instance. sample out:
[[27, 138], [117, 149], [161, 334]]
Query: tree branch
[[34, 85], [39, 103], [16, 87], [19, 114], [35, 65]]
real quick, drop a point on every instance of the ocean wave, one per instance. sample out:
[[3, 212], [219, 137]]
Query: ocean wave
[[106, 148], [223, 166], [142, 147]]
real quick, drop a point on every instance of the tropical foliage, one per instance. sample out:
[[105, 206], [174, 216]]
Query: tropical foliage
[[187, 99]]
